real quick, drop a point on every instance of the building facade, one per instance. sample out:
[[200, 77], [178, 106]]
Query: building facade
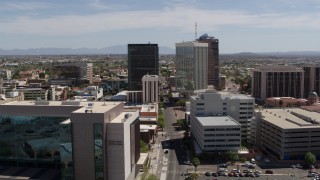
[[86, 140], [216, 133], [212, 103], [311, 80], [5, 73], [150, 89], [71, 74], [142, 59], [213, 58], [277, 81], [191, 67], [287, 134]]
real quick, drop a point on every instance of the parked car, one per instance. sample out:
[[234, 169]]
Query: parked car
[[187, 162], [223, 165], [214, 174], [253, 161], [207, 174], [245, 171], [269, 172]]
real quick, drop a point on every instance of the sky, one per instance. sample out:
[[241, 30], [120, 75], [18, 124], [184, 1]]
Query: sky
[[240, 25]]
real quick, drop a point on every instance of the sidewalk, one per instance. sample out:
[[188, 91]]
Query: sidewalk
[[153, 157]]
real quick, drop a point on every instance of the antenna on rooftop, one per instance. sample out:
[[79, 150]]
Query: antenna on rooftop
[[195, 31]]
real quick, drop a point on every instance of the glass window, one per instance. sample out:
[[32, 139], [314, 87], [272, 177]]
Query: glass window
[[98, 150]]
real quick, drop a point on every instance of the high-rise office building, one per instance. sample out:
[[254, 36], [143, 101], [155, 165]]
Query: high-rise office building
[[150, 88], [213, 58], [143, 59], [191, 67], [311, 80], [71, 74], [277, 81]]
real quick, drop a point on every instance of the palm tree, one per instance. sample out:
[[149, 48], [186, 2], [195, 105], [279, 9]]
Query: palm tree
[[195, 163]]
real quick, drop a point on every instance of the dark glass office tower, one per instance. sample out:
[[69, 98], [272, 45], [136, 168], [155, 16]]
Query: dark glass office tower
[[213, 58], [142, 59]]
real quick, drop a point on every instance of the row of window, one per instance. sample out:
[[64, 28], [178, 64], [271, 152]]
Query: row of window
[[246, 112], [223, 145], [222, 140], [246, 103], [242, 108], [222, 129], [233, 134]]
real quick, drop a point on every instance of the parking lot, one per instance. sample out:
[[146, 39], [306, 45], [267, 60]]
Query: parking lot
[[278, 173]]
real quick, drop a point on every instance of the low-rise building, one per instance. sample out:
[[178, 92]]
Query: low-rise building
[[210, 102], [216, 133], [95, 140], [285, 102], [287, 134]]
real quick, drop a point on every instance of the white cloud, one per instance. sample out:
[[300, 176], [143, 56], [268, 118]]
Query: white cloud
[[26, 6], [175, 19]]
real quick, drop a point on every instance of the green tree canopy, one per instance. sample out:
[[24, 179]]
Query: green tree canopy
[[309, 158], [181, 102], [152, 177], [195, 163], [193, 176]]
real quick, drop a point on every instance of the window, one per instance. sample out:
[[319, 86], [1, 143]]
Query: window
[[98, 150]]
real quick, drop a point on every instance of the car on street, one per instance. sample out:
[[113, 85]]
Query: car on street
[[187, 162], [166, 151], [207, 173]]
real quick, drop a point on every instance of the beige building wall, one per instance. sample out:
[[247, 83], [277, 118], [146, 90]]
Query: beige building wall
[[150, 88]]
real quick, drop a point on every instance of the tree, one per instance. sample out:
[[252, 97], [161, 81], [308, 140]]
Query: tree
[[42, 75], [152, 177], [193, 176], [309, 158], [195, 163], [181, 102], [143, 146], [232, 156]]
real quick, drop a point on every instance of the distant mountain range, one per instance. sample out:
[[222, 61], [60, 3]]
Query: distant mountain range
[[288, 53], [122, 49]]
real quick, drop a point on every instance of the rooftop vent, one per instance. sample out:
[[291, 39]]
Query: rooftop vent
[[127, 115]]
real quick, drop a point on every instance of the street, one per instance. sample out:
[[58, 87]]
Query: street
[[173, 166]]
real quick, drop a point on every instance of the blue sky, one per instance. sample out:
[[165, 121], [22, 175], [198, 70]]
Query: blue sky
[[240, 25]]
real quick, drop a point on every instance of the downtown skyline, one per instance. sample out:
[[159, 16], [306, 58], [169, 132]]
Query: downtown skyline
[[264, 26]]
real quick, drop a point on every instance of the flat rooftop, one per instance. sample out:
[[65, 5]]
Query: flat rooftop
[[292, 118], [122, 117], [94, 106], [217, 121], [148, 127]]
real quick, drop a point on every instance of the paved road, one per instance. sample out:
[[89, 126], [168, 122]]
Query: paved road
[[173, 141]]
